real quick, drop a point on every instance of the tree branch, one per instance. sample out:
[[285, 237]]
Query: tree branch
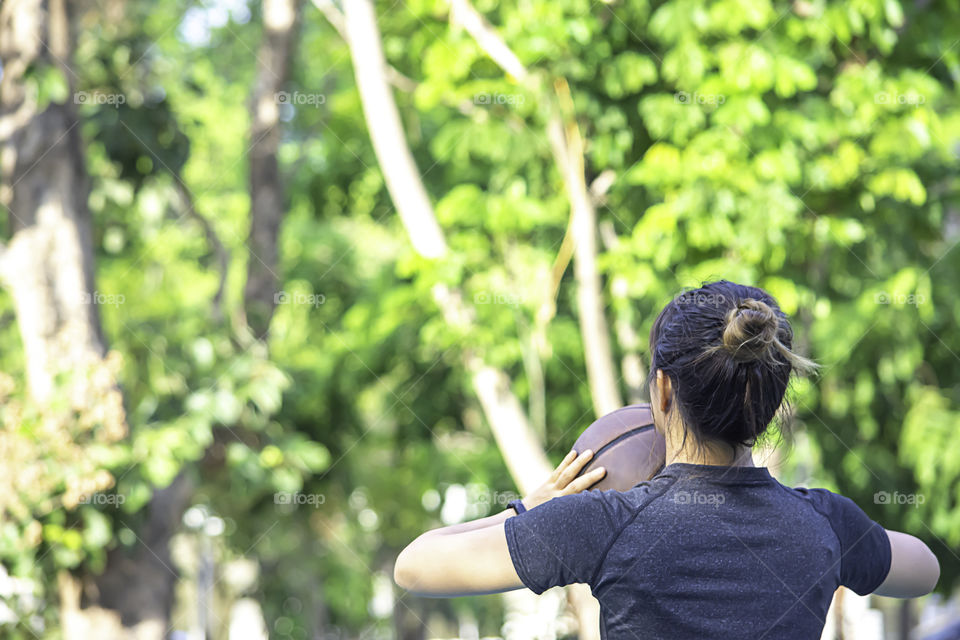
[[600, 185], [386, 131], [267, 195], [213, 242]]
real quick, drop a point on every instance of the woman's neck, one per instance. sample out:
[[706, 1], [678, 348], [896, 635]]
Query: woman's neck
[[713, 453]]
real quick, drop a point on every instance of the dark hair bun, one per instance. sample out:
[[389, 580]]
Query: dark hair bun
[[727, 349], [751, 330]]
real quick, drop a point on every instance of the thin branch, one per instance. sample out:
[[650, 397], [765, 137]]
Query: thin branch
[[565, 254], [600, 185], [213, 242], [333, 15], [463, 13]]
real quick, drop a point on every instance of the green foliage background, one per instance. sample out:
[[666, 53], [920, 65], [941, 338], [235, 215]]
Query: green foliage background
[[810, 148]]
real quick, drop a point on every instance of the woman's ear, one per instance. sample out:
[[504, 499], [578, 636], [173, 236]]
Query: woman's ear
[[664, 391]]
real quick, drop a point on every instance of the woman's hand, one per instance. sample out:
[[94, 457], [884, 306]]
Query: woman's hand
[[564, 481]]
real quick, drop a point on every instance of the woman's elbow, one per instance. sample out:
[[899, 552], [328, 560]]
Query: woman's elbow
[[927, 571], [926, 576], [933, 572], [409, 570], [403, 569]]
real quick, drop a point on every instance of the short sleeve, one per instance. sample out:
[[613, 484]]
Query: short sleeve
[[864, 545], [562, 541]]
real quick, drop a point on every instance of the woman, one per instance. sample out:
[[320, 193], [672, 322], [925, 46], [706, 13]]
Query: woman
[[712, 546]]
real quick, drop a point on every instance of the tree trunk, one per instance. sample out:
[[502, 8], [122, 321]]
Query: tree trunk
[[280, 18], [838, 603], [48, 269], [48, 264], [133, 597]]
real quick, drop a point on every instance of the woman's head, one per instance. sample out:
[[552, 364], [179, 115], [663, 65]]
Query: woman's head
[[725, 352]]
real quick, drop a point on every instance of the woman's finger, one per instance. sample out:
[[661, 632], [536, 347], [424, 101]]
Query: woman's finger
[[575, 467], [570, 457], [585, 481]]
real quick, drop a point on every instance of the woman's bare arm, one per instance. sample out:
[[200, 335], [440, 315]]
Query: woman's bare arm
[[914, 570], [472, 558], [472, 562]]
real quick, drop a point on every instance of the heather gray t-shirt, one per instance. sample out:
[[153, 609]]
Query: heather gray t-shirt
[[703, 551]]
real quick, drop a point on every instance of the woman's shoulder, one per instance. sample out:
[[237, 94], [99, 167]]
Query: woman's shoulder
[[637, 497], [832, 505], [812, 494]]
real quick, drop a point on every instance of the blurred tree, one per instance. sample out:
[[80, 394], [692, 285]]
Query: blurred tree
[[48, 268], [196, 392], [267, 198]]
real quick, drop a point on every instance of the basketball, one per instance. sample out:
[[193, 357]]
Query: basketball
[[626, 444]]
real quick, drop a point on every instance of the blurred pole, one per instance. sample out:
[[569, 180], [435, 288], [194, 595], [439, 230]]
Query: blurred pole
[[905, 619], [206, 527], [205, 572]]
